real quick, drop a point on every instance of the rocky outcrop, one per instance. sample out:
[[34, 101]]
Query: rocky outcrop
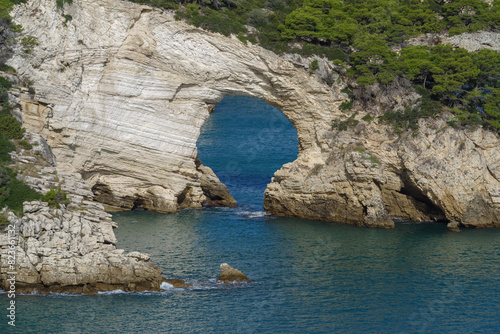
[[215, 192], [68, 249], [230, 275], [441, 173], [122, 91], [469, 41]]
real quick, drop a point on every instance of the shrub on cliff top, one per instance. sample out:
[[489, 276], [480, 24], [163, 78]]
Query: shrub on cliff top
[[56, 197]]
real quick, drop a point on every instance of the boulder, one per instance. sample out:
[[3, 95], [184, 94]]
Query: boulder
[[230, 274]]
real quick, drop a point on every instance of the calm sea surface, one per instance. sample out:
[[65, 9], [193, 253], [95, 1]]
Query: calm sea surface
[[309, 277]]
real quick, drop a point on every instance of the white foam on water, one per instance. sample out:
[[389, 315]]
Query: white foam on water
[[254, 214], [166, 286], [112, 292]]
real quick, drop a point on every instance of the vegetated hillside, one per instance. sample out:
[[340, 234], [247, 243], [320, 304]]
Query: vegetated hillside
[[359, 35]]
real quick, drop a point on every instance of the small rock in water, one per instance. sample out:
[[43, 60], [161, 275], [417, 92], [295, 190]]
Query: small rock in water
[[453, 226], [230, 274]]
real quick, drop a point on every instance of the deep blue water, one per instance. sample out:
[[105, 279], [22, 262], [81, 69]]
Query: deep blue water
[[309, 276], [245, 141]]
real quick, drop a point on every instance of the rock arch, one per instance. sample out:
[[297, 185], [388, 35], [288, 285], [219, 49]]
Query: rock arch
[[131, 87], [130, 96]]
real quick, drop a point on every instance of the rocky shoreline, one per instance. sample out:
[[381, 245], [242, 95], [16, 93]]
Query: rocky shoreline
[[121, 100], [70, 249]]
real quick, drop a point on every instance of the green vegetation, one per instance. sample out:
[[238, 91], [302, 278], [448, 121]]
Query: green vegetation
[[56, 197], [347, 105], [3, 222], [367, 118], [25, 144], [313, 66], [14, 192], [344, 124], [60, 3], [7, 28], [6, 146], [5, 84], [367, 156], [10, 128], [4, 87], [466, 82], [5, 8], [28, 42], [7, 69], [350, 22], [408, 118]]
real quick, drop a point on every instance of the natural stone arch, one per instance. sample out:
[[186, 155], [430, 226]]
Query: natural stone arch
[[131, 123], [130, 88]]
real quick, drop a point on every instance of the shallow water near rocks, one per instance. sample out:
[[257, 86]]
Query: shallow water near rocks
[[308, 276]]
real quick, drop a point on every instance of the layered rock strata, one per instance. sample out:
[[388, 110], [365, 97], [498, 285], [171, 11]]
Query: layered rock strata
[[122, 91], [69, 249]]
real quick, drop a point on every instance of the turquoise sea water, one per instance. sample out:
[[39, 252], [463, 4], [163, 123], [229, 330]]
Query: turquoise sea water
[[308, 276]]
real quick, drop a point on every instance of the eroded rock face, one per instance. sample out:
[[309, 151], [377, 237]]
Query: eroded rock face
[[177, 283], [442, 173], [469, 41], [122, 91]]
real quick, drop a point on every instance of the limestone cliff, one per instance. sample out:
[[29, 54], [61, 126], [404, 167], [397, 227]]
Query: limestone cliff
[[122, 91], [67, 249]]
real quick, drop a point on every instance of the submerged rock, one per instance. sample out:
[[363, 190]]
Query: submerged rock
[[230, 274], [453, 226], [177, 283]]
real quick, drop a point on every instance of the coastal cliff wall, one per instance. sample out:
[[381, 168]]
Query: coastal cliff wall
[[122, 91]]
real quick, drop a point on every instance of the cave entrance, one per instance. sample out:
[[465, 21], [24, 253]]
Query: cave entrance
[[245, 141]]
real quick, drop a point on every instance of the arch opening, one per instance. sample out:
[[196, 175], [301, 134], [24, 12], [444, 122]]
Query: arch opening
[[245, 141]]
